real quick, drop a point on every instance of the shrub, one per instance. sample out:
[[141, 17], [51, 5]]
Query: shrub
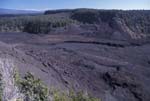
[[57, 96], [32, 88]]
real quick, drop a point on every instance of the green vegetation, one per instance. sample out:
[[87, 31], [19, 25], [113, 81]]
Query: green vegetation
[[32, 88], [73, 97], [33, 24], [136, 21], [35, 90], [89, 16]]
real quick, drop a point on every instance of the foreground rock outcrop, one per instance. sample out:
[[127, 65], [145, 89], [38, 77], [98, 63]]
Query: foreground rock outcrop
[[9, 89]]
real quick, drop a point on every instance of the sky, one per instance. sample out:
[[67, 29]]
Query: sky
[[70, 4]]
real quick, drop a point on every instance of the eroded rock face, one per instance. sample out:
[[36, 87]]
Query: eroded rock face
[[127, 85], [10, 91]]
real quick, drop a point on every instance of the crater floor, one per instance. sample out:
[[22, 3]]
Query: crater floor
[[109, 69]]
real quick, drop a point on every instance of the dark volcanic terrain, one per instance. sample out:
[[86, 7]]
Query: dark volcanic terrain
[[106, 59], [111, 70]]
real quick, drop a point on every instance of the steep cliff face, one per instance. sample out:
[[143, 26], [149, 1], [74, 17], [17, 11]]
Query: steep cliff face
[[132, 23]]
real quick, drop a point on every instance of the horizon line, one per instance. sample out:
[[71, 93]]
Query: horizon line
[[73, 9]]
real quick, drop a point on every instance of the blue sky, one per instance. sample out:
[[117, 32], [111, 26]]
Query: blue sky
[[63, 4]]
